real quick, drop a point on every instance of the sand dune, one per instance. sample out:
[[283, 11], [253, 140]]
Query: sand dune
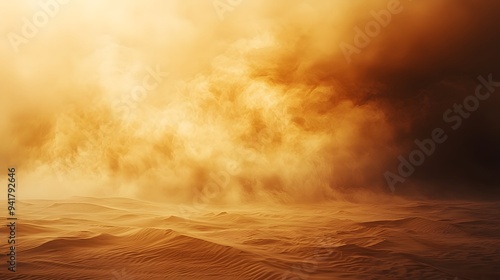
[[124, 239]]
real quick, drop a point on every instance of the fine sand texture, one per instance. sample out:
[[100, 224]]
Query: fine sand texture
[[125, 239]]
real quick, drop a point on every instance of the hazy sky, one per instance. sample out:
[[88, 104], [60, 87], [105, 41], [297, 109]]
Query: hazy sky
[[247, 100]]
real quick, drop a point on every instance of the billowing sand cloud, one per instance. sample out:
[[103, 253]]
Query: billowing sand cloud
[[164, 100]]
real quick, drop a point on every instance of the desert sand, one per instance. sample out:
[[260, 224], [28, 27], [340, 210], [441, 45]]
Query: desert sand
[[124, 239]]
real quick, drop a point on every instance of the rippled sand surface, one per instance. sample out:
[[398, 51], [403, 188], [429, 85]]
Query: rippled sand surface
[[123, 239]]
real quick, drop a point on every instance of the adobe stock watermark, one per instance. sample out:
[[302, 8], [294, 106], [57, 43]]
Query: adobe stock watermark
[[150, 82], [218, 184], [323, 254], [122, 274], [455, 117], [363, 37], [223, 6], [31, 26], [220, 181]]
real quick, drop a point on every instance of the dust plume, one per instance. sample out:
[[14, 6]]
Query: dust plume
[[163, 100]]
